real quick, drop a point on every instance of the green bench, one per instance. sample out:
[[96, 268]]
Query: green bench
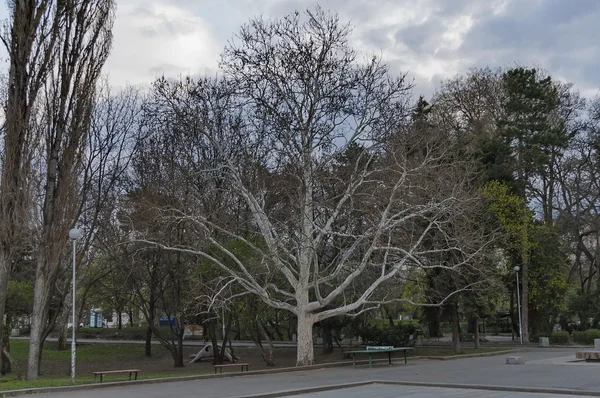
[[371, 350]]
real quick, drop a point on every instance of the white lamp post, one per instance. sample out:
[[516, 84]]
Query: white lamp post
[[519, 304], [74, 234]]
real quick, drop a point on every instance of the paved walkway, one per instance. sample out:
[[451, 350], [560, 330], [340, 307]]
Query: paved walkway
[[536, 373]]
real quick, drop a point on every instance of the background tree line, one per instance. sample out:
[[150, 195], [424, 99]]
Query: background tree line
[[303, 186]]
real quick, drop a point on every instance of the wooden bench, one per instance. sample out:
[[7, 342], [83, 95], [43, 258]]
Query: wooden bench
[[112, 372], [242, 365], [379, 349]]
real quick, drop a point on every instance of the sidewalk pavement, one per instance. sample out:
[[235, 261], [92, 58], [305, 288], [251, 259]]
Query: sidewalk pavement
[[472, 371]]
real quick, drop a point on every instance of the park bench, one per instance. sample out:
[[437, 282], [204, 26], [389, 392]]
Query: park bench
[[370, 350], [242, 365], [124, 371]]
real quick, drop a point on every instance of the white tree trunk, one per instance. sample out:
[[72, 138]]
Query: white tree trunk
[[305, 352]]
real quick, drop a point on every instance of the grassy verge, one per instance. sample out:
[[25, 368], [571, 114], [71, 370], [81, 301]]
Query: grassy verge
[[11, 382]]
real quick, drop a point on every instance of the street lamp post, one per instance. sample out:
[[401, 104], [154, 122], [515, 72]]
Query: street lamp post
[[519, 305], [74, 234]]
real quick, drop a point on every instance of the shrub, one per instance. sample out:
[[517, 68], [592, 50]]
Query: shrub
[[586, 337], [578, 336], [397, 336], [559, 337]]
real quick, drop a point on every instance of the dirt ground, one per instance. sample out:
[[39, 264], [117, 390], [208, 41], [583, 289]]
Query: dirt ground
[[97, 357], [162, 362]]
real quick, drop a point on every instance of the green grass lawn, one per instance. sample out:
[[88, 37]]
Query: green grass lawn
[[11, 382], [99, 355], [85, 351]]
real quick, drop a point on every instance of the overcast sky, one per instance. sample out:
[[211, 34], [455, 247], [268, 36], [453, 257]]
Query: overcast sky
[[430, 39]]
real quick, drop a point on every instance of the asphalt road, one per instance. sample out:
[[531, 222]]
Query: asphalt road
[[540, 371], [385, 391]]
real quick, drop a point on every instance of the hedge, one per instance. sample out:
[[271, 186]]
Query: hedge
[[559, 337], [586, 337]]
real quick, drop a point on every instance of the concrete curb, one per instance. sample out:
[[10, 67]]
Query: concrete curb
[[489, 387], [474, 355], [42, 390], [308, 390], [481, 387]]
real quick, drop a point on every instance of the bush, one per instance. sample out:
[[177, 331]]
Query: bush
[[559, 337], [397, 336], [586, 337]]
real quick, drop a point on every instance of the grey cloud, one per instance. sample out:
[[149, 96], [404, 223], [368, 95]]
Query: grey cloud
[[149, 31], [164, 26], [167, 69], [559, 35], [422, 37]]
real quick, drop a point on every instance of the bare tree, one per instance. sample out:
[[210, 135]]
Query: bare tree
[[30, 40], [111, 143], [305, 101], [84, 43], [579, 202]]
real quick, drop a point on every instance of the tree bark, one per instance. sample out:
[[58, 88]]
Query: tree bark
[[327, 340], [432, 315], [276, 329], [476, 332], [30, 38], [6, 360], [263, 332], [63, 321], [13, 364], [225, 338], [62, 337], [514, 326], [148, 351], [231, 350], [5, 267], [305, 351], [177, 353], [130, 314], [212, 333], [39, 317], [525, 302], [258, 343], [455, 327]]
